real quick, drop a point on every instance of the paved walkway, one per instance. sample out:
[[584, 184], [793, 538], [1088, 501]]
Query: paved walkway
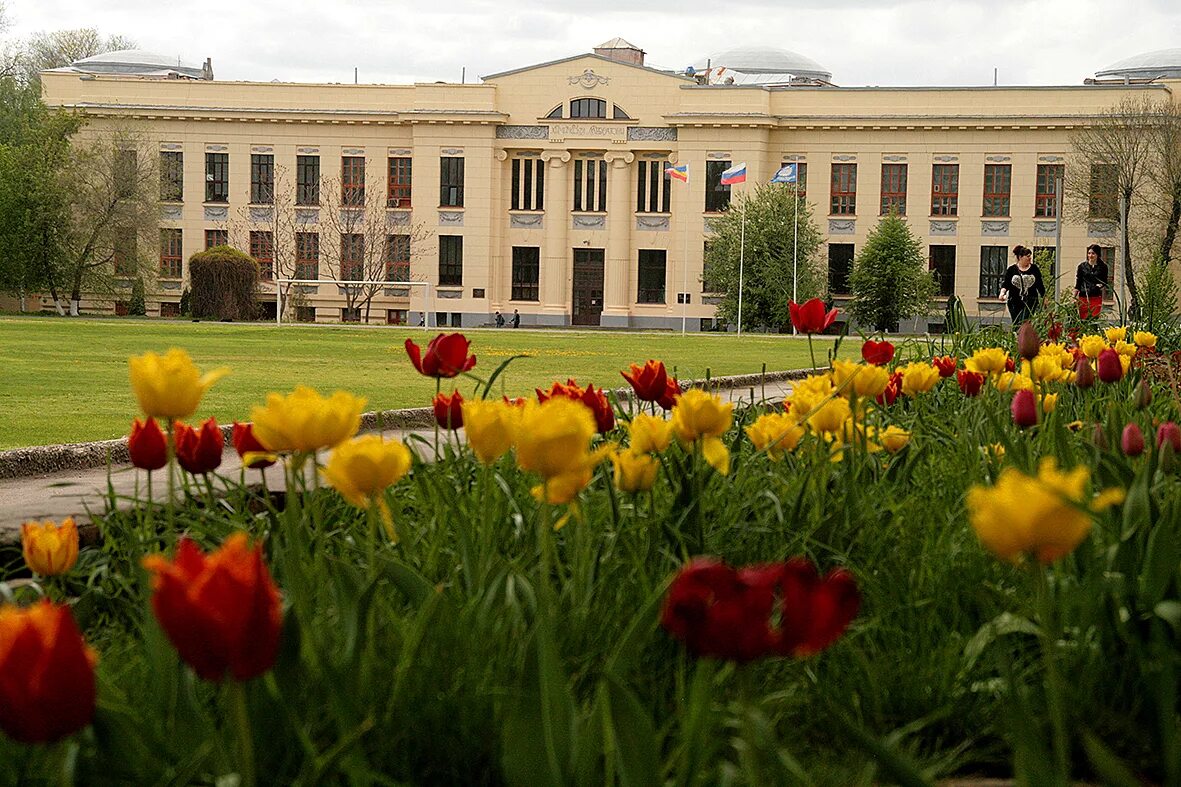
[[75, 492]]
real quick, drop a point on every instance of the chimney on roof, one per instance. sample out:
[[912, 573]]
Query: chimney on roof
[[207, 69], [620, 50]]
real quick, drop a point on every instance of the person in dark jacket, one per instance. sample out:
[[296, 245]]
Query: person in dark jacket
[[516, 321], [1090, 283], [499, 320], [1022, 287]]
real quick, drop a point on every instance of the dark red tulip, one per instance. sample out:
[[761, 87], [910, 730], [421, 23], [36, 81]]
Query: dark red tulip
[[1024, 409], [1170, 433], [147, 445], [449, 410], [596, 402], [446, 356], [815, 611], [650, 381], [1010, 364], [1099, 437], [970, 382], [1054, 333], [1028, 342], [246, 443], [672, 393], [877, 353], [1142, 396], [811, 317], [1084, 375], [1110, 370], [1132, 440], [893, 388], [198, 450], [946, 364]]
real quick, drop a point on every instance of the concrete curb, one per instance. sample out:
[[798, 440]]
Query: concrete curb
[[47, 459]]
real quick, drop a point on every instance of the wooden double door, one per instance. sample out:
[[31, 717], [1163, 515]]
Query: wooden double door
[[587, 289]]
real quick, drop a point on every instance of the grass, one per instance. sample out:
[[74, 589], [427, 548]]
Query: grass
[[65, 381]]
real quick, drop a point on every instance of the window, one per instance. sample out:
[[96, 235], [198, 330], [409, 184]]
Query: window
[[171, 254], [397, 258], [395, 316], [262, 249], [653, 187], [840, 265], [216, 238], [398, 192], [617, 113], [590, 185], [125, 173], [651, 276], [451, 182], [998, 179], [844, 190], [450, 260], [943, 264], [588, 108], [307, 180], [894, 189], [169, 309], [528, 181], [717, 196], [305, 313], [1046, 200], [172, 176], [307, 255], [1103, 203], [945, 190], [801, 183], [124, 251], [993, 261], [352, 180], [262, 179], [555, 113], [352, 256], [217, 177], [526, 268], [350, 315]]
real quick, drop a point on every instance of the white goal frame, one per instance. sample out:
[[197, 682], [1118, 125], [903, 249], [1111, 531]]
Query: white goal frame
[[428, 300]]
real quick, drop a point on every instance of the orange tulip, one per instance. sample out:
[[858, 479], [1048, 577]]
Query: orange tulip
[[49, 548]]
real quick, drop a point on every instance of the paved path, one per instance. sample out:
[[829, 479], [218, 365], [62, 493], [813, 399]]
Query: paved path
[[74, 492]]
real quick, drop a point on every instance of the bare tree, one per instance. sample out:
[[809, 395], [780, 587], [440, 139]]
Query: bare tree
[[363, 245], [272, 212], [43, 51], [1164, 177]]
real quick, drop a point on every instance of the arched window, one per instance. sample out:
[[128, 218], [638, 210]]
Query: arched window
[[588, 108], [619, 114], [555, 113]]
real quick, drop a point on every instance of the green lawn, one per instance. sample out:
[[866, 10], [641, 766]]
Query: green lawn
[[66, 380]]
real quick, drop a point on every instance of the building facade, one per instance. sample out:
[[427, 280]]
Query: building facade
[[544, 190]]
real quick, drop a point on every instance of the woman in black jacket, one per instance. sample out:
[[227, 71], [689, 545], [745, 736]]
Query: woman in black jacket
[[1022, 287]]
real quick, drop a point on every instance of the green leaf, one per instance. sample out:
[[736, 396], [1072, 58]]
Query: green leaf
[[503, 365], [1137, 507], [899, 767], [636, 746], [1161, 559], [627, 651], [1107, 765], [1002, 624]]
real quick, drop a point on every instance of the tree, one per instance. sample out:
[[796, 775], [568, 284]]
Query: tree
[[890, 280], [225, 284], [766, 255], [43, 51]]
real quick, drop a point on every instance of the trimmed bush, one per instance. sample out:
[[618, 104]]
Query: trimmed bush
[[224, 282]]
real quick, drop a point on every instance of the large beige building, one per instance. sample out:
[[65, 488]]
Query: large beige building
[[543, 190]]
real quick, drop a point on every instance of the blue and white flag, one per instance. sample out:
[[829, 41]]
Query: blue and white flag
[[785, 174]]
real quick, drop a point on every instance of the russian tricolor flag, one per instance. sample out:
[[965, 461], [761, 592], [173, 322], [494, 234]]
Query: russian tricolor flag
[[736, 174]]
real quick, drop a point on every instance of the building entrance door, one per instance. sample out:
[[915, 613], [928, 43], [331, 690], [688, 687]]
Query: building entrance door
[[588, 287]]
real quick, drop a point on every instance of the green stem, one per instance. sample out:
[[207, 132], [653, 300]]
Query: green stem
[[1053, 682], [811, 352], [241, 715]]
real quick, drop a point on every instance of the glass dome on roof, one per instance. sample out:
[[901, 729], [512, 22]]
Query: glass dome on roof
[[765, 60], [134, 61], [1147, 65]]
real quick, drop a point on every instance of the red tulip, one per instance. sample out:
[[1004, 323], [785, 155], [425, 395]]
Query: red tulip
[[811, 317], [1142, 396], [449, 410], [1084, 375], [672, 392], [1170, 433], [1028, 342], [1024, 409], [649, 381], [246, 443], [1132, 440], [1110, 369], [147, 445], [1010, 364], [893, 388], [221, 610], [47, 688], [815, 612], [877, 353], [446, 356], [198, 450], [1054, 333], [970, 382], [596, 402], [520, 401], [946, 364]]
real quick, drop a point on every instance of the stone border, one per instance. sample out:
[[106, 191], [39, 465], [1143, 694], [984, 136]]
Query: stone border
[[49, 459]]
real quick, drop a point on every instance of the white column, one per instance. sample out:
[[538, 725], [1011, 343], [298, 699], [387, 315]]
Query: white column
[[620, 222], [556, 264]]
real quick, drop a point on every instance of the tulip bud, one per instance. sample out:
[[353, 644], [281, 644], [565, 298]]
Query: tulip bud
[[1028, 342], [1142, 396], [1084, 375], [1024, 409], [1110, 368], [1167, 457], [1170, 433], [1132, 440], [1099, 437]]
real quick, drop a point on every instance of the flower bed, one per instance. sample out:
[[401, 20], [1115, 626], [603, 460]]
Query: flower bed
[[918, 566]]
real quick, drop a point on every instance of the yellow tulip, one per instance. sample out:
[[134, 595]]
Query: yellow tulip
[[489, 425], [1145, 339], [716, 454], [1049, 403], [562, 489], [362, 468], [990, 360], [650, 434], [827, 416], [1046, 368], [552, 437], [919, 378], [1013, 381], [864, 380], [1042, 516], [49, 548], [634, 472], [894, 438], [1125, 348], [775, 433], [1092, 345], [305, 421], [699, 414], [1116, 334], [169, 386]]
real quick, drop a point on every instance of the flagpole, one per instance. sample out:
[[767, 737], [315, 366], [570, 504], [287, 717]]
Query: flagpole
[[795, 242], [685, 273], [741, 261]]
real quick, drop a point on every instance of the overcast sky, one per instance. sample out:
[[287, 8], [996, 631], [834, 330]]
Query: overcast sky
[[863, 42]]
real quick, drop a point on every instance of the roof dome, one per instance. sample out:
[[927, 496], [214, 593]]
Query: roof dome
[[135, 62], [1148, 65], [766, 60]]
